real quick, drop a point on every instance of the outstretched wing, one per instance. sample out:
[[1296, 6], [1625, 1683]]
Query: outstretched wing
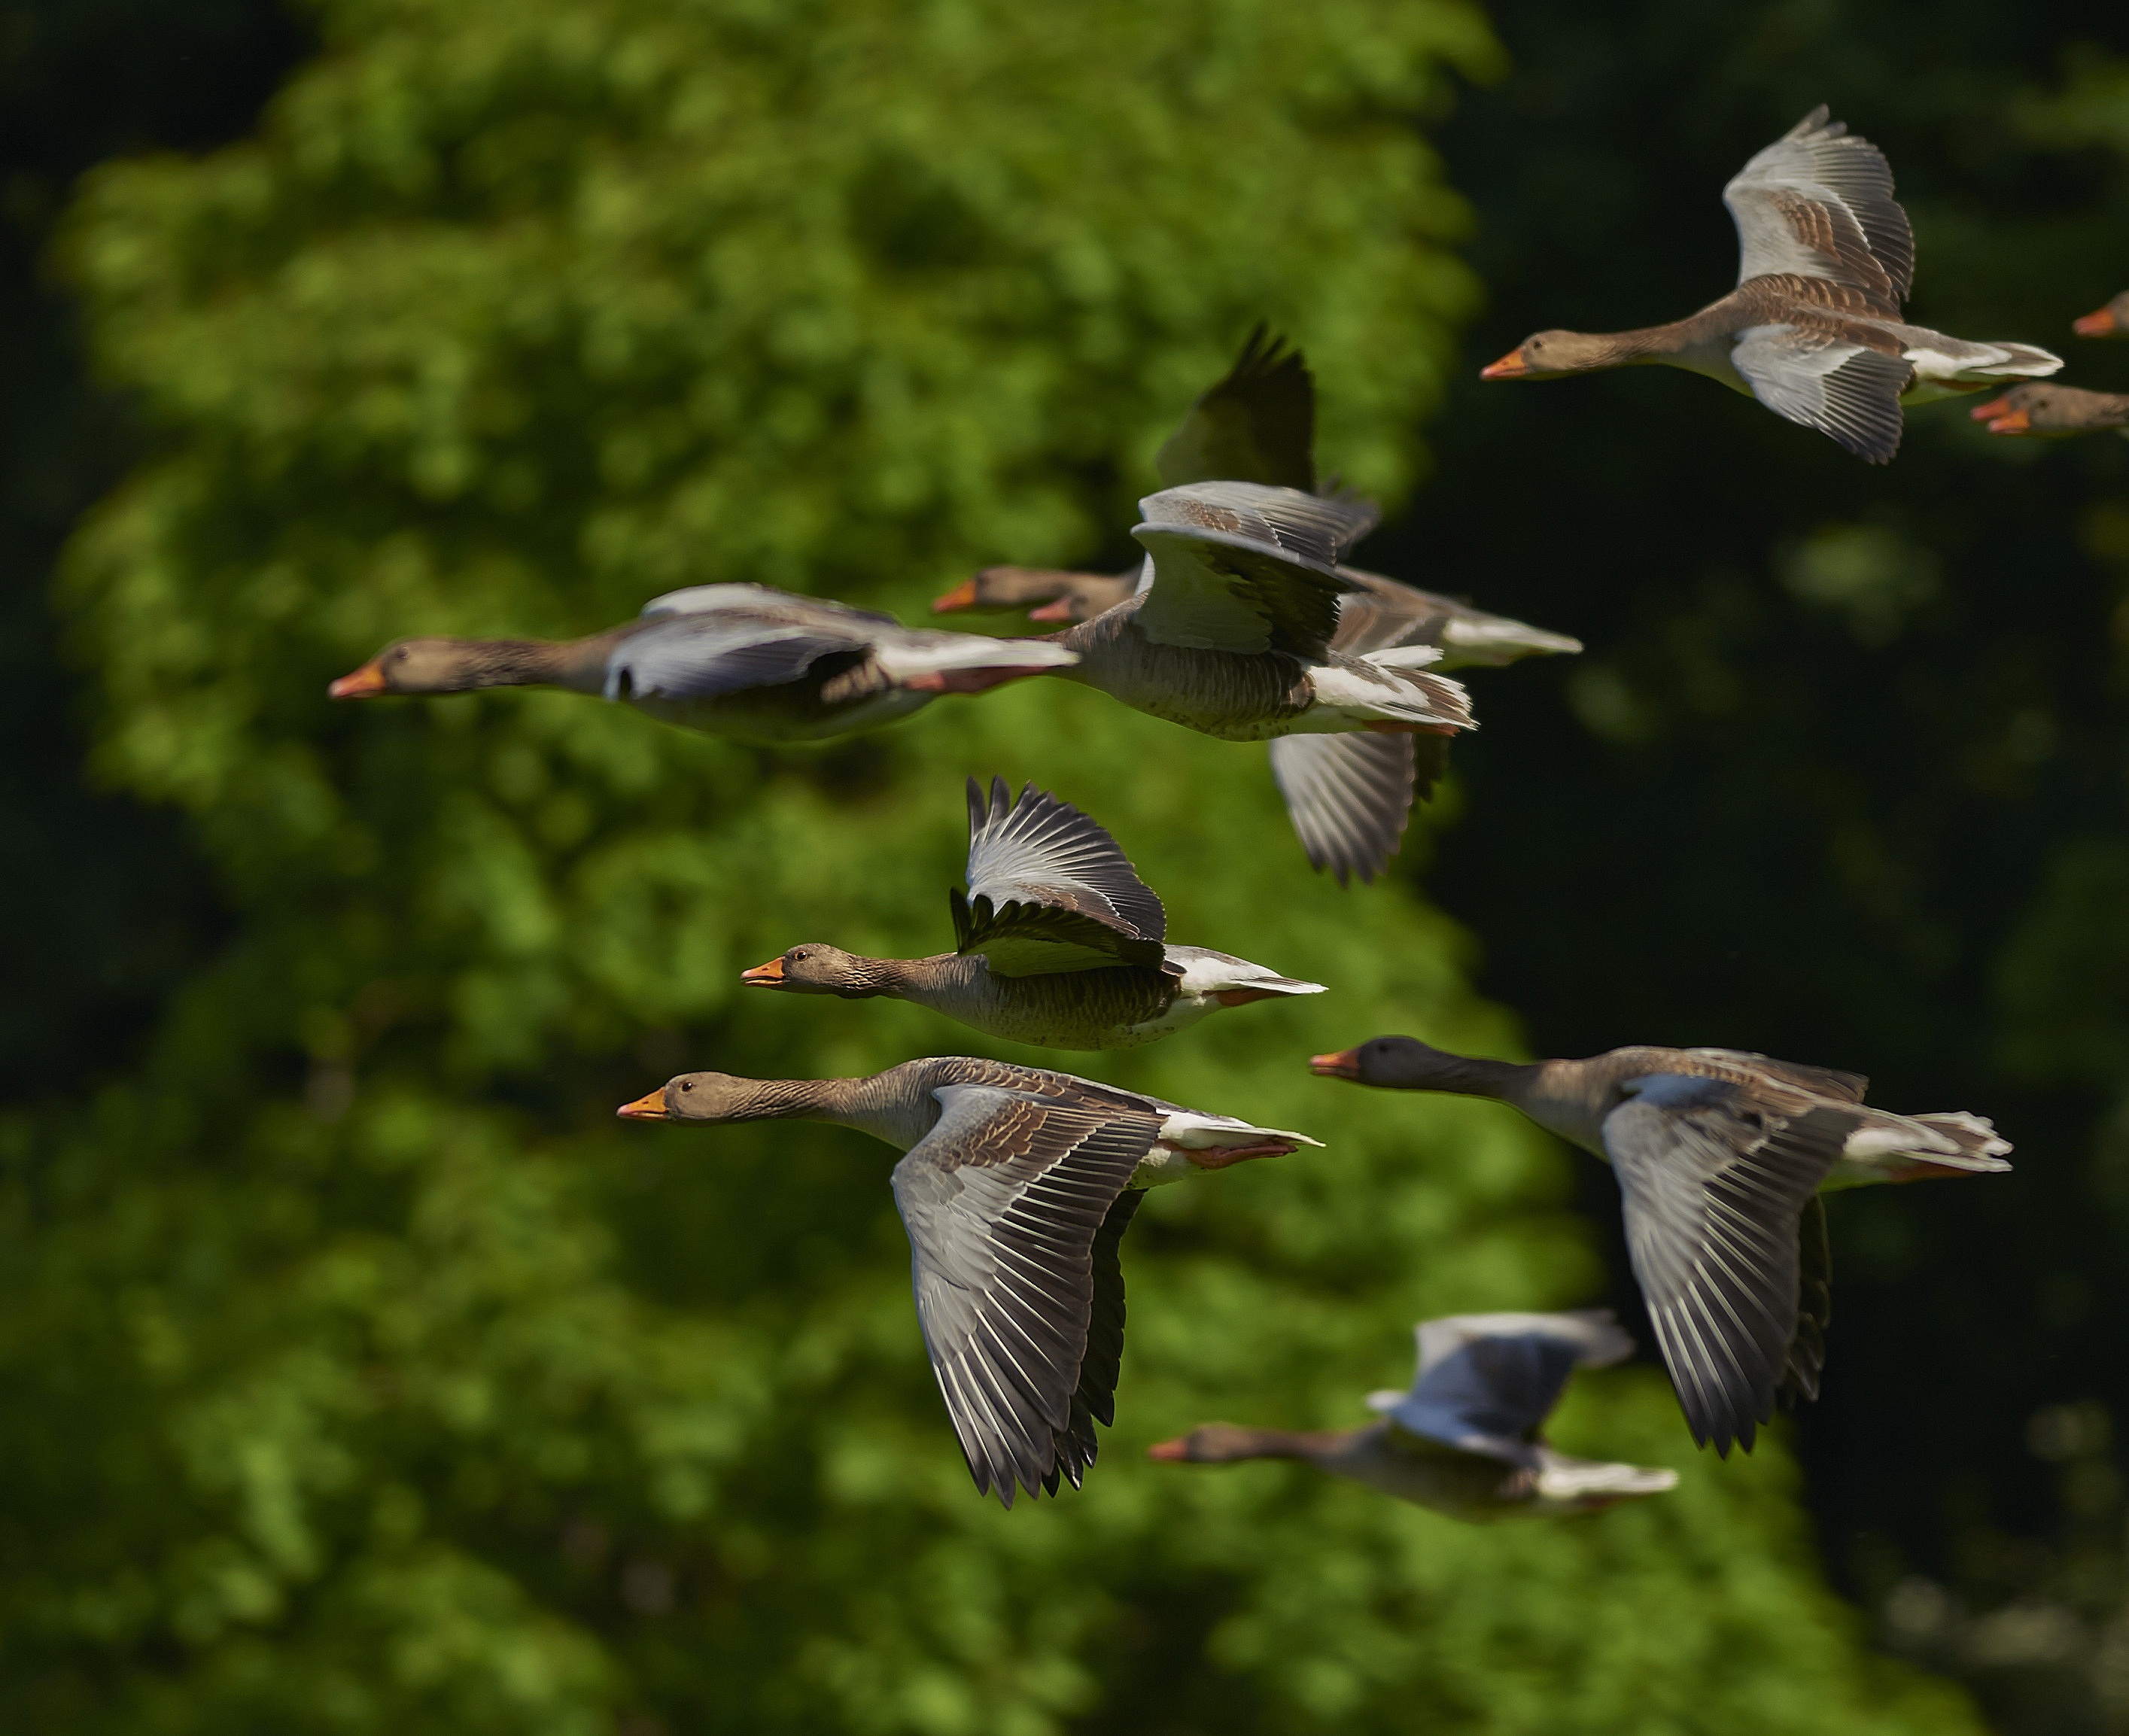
[[1487, 1382], [1846, 390], [1050, 891], [1018, 1294], [1385, 614], [1257, 424], [1715, 1190], [1241, 567], [1818, 203], [1350, 796]]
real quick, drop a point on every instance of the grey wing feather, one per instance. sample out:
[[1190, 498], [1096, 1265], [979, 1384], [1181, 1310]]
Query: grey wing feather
[[690, 656], [1256, 424], [1818, 202], [1844, 390], [1005, 1200], [1827, 1082], [1385, 614], [1807, 1354], [1049, 890], [1350, 796], [1714, 1191], [765, 603]]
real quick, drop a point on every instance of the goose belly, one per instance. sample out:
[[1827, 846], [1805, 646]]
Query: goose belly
[[791, 711], [1230, 695], [1090, 1010]]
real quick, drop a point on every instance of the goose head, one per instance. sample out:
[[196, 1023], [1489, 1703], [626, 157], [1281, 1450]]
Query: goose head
[[413, 666], [1551, 355], [818, 969], [700, 1097], [1397, 1064], [1046, 594], [2046, 408], [2110, 321]]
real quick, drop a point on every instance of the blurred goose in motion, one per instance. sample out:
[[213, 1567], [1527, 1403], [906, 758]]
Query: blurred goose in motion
[[1058, 942], [1016, 1190], [2053, 409], [2110, 321], [737, 660], [1721, 1157], [1813, 328], [1465, 1440], [1349, 795]]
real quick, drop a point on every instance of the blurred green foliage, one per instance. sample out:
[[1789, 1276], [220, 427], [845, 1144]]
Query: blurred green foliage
[[356, 1371]]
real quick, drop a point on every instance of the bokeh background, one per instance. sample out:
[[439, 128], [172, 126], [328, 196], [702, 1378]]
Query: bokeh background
[[358, 1373]]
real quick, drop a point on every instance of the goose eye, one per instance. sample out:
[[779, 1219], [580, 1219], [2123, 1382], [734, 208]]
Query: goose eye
[[687, 1085]]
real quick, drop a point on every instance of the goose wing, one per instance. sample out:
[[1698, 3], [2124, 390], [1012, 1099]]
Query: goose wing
[[1846, 390], [1014, 1203], [711, 639], [1487, 1382], [1715, 1186], [1825, 1082], [1818, 203], [1050, 891], [1256, 424], [1350, 796], [1245, 567]]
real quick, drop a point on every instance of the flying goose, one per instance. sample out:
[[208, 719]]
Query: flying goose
[[2110, 321], [1017, 1188], [737, 660], [1349, 795], [1721, 1157], [1059, 942], [1465, 1440], [2053, 409], [1813, 328]]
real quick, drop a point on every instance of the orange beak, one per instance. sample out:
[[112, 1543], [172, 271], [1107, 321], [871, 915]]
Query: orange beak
[[1061, 610], [2100, 325], [963, 596], [1510, 367], [2002, 419], [366, 683], [1343, 1064], [765, 976], [650, 1107], [1174, 1452]]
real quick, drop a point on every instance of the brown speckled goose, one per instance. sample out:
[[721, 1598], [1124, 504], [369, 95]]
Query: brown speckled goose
[[2110, 321], [737, 660], [1016, 1189], [1466, 1439], [1061, 942], [1813, 328], [2049, 409], [1721, 1156]]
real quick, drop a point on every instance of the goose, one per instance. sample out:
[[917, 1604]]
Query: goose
[[736, 660], [1016, 1188], [1813, 328], [2053, 409], [1060, 943], [1349, 795], [1464, 1441], [1721, 1156], [2110, 321]]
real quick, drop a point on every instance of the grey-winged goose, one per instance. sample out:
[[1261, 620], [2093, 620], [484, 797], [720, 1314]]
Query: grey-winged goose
[[2049, 409], [738, 660], [1813, 328], [1349, 795], [1721, 1156], [2110, 321], [1016, 1190], [1466, 1440], [1059, 942]]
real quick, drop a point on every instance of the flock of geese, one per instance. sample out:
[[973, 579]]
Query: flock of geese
[[1244, 619]]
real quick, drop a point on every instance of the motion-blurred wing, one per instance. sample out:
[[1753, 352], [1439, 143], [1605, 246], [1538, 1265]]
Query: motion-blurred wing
[[1351, 796], [1256, 425]]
